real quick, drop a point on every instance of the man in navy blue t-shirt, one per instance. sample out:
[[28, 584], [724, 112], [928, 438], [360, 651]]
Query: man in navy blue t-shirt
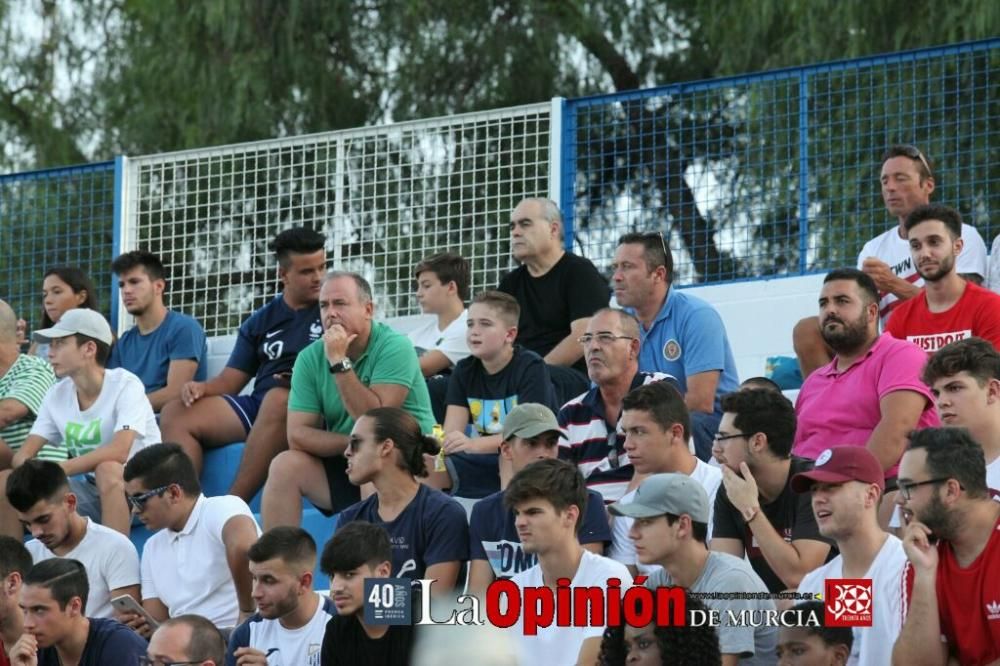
[[212, 413], [530, 433], [165, 349], [56, 628]]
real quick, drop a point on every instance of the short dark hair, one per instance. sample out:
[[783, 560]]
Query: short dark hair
[[760, 383], [869, 292], [404, 430], [551, 479], [768, 412], [655, 251], [64, 578], [206, 639], [829, 635], [975, 356], [925, 164], [687, 644], [699, 531], [662, 402], [162, 465], [14, 557], [353, 545], [34, 481], [947, 215], [297, 240], [953, 454], [78, 281], [505, 305], [148, 261], [291, 544], [103, 352], [447, 267]]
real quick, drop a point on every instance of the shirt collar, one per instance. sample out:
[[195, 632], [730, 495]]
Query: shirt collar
[[192, 520], [830, 369]]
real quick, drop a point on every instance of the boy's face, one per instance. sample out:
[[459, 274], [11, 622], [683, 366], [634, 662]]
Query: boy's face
[[522, 452], [43, 618], [303, 276], [487, 334], [540, 527], [66, 356], [654, 538], [646, 443], [798, 647], [347, 588], [48, 519], [277, 586], [962, 402], [432, 295], [139, 291]]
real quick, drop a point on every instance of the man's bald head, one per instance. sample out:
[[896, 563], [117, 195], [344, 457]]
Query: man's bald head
[[8, 323]]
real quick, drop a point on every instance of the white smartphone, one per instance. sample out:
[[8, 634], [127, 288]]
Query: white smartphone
[[126, 604]]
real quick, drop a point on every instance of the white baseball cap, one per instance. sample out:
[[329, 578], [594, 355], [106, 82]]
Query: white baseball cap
[[77, 321]]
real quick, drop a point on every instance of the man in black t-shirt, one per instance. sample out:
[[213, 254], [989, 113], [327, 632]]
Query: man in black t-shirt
[[360, 550], [557, 291], [756, 512]]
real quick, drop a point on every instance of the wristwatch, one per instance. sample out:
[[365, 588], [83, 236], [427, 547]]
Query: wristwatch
[[750, 513], [343, 366]]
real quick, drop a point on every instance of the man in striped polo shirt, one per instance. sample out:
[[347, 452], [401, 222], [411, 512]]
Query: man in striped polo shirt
[[24, 380], [594, 440]]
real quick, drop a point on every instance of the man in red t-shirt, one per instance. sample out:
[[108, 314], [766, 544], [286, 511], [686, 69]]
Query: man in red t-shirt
[[948, 308], [951, 602], [15, 560]]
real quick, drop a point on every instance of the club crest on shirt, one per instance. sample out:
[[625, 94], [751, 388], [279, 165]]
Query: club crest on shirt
[[315, 331], [672, 350]]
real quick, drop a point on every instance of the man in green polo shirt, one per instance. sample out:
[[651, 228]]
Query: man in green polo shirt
[[24, 380], [357, 365]]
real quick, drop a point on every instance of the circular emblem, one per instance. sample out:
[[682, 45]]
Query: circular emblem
[[852, 599], [824, 457], [672, 350]]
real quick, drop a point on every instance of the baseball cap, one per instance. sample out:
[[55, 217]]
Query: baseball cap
[[840, 464], [78, 320], [529, 420], [666, 493]]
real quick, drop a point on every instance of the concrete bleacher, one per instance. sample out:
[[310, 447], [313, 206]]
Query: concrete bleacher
[[759, 317]]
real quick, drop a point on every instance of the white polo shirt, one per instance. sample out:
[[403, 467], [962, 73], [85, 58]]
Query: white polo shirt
[[188, 571], [111, 560]]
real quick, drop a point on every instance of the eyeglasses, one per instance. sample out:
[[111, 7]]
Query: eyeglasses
[[914, 154], [613, 454], [721, 438], [906, 488], [146, 661], [602, 338], [138, 502]]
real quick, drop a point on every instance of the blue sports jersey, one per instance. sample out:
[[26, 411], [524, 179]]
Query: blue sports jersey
[[493, 537], [431, 529], [179, 337], [688, 337], [108, 642], [271, 338]]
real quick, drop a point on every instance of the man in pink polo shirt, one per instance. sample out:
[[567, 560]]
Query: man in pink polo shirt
[[870, 394]]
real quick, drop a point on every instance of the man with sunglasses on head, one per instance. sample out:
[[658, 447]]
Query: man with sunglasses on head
[[908, 181], [593, 439], [197, 562], [681, 334], [952, 540]]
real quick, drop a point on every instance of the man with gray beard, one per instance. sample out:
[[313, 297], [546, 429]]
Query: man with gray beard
[[870, 394]]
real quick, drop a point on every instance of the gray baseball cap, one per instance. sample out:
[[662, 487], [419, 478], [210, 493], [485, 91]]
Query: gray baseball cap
[[529, 420], [78, 320], [660, 494]]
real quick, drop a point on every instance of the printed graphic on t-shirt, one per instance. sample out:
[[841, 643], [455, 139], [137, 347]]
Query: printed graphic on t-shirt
[[83, 438], [935, 341], [488, 414], [508, 558]]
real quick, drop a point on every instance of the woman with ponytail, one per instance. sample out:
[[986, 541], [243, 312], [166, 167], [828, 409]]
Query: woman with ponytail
[[428, 530]]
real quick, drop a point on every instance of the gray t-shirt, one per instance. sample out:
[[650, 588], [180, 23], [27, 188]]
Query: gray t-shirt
[[722, 576]]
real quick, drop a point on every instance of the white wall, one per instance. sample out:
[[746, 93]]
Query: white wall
[[759, 317]]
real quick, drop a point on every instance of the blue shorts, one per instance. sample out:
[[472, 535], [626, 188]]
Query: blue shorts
[[246, 408]]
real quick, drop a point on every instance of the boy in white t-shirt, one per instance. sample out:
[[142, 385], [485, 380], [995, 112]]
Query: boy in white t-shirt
[[847, 483], [548, 499], [102, 417], [291, 619], [657, 429], [442, 289], [39, 492], [964, 377]]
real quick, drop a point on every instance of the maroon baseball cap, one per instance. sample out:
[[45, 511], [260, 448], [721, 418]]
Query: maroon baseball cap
[[840, 464]]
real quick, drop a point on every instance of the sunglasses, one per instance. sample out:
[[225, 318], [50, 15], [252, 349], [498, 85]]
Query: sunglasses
[[914, 154], [138, 502], [613, 455]]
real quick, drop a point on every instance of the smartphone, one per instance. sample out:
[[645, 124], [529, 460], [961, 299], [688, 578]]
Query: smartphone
[[126, 604]]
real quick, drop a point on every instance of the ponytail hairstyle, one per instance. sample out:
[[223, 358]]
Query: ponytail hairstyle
[[404, 431]]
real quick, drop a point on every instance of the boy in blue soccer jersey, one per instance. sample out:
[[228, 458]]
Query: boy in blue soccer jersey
[[213, 413], [482, 390]]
